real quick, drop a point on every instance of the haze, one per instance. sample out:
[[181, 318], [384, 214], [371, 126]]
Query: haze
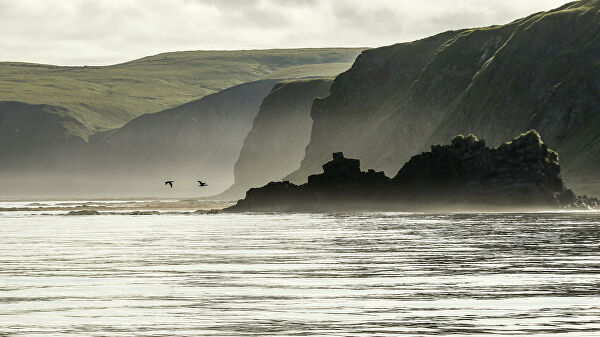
[[90, 32]]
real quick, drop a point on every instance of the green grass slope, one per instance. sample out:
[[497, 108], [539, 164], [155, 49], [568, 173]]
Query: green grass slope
[[538, 72], [107, 97]]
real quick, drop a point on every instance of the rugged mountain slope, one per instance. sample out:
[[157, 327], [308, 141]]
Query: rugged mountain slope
[[109, 96], [29, 135], [197, 140], [58, 151], [275, 145], [539, 72]]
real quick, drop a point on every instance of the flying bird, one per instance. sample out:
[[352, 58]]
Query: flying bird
[[169, 182], [201, 183]]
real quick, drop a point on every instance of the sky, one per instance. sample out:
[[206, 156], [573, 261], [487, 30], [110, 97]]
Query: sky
[[101, 32]]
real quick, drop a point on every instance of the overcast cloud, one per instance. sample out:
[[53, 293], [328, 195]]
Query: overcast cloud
[[98, 32]]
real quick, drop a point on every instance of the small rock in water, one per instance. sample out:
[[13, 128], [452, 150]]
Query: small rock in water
[[84, 212]]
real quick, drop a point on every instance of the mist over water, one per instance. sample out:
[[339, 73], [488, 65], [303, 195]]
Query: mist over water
[[375, 274]]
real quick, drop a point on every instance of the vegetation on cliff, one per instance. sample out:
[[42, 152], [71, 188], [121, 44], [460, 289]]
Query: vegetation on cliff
[[539, 72], [106, 97]]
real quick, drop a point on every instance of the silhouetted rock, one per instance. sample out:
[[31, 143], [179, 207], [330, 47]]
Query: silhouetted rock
[[342, 185], [519, 174], [84, 212], [583, 202]]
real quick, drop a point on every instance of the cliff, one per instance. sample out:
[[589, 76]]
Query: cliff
[[197, 140], [466, 174], [538, 72], [119, 130], [275, 145], [521, 172], [30, 135]]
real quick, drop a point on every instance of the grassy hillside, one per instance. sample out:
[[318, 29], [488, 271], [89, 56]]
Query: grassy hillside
[[538, 72], [109, 96]]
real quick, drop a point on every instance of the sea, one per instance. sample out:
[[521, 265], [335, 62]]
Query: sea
[[158, 268]]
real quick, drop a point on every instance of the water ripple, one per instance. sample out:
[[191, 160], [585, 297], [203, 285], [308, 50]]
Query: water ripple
[[376, 274]]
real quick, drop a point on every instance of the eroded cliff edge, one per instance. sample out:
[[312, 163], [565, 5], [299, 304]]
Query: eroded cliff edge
[[540, 72], [275, 145], [466, 174]]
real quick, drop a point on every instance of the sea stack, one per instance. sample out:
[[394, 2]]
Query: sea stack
[[465, 174]]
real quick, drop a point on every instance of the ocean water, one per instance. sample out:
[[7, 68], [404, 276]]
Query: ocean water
[[375, 274]]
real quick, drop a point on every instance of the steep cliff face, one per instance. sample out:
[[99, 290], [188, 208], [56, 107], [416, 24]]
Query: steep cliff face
[[538, 72], [30, 135], [197, 140], [275, 145], [350, 118], [82, 131]]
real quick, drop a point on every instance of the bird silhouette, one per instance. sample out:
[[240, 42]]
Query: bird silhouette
[[201, 183], [169, 182]]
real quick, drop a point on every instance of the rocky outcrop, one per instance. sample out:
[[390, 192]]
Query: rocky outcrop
[[539, 72], [466, 174], [341, 186], [521, 172], [280, 132]]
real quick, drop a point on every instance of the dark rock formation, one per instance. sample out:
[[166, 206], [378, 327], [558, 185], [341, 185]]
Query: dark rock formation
[[582, 202], [84, 212], [466, 174], [521, 172], [342, 185]]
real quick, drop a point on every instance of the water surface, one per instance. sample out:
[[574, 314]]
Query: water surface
[[377, 274]]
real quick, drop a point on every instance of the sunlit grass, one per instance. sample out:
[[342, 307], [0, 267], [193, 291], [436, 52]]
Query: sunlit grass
[[109, 96]]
